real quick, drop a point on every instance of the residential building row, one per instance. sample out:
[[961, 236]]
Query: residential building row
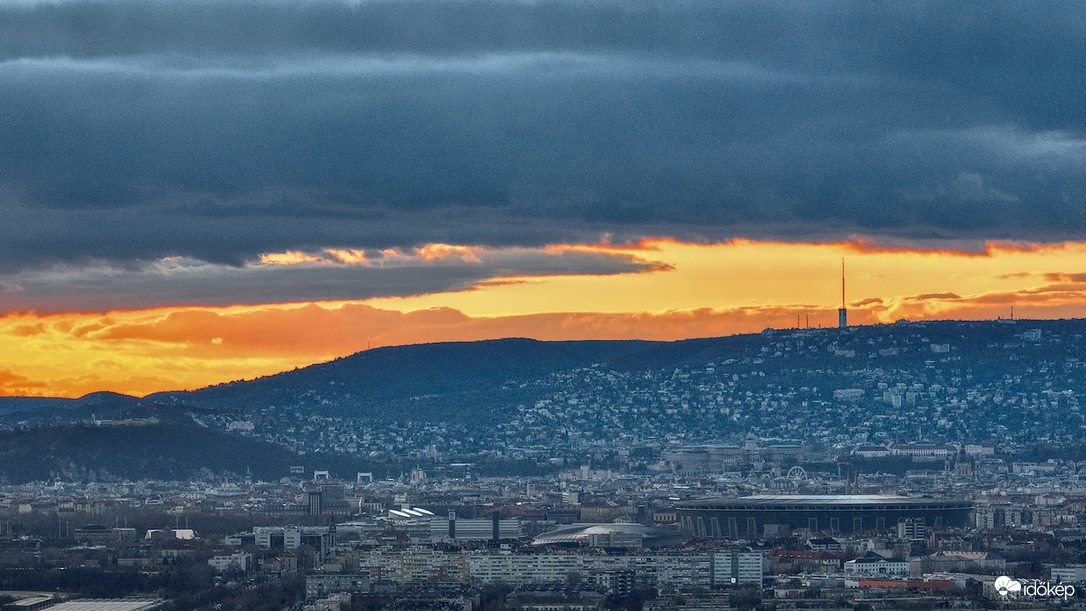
[[613, 573]]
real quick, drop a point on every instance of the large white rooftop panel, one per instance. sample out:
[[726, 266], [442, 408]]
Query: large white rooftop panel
[[119, 604]]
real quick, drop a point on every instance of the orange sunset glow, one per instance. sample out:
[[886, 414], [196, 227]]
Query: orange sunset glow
[[690, 290]]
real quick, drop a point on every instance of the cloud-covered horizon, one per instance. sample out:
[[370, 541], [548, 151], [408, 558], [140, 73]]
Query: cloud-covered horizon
[[221, 131], [140, 353], [651, 290], [437, 153]]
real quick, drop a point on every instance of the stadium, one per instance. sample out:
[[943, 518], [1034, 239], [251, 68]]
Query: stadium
[[768, 515]]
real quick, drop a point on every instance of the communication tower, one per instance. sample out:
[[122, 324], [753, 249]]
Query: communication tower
[[842, 313]]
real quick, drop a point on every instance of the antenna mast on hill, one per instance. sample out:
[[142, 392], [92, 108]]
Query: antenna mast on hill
[[842, 314]]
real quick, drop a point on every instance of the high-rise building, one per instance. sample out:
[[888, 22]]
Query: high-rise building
[[737, 567]]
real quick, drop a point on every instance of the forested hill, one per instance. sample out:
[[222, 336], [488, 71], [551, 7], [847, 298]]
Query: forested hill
[[85, 452], [480, 381], [425, 381]]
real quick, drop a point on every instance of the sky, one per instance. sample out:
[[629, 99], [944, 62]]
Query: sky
[[199, 191]]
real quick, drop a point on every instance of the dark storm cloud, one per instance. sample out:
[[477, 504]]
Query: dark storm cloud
[[176, 282], [222, 130]]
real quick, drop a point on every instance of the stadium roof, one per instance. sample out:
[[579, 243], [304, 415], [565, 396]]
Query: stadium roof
[[581, 532], [815, 500]]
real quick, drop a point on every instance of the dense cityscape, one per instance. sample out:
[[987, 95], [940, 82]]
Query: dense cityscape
[[542, 305], [856, 468], [600, 538]]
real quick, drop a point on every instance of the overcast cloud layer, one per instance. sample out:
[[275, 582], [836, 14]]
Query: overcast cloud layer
[[221, 130]]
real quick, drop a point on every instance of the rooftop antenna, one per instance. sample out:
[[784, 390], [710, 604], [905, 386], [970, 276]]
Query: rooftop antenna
[[842, 314]]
